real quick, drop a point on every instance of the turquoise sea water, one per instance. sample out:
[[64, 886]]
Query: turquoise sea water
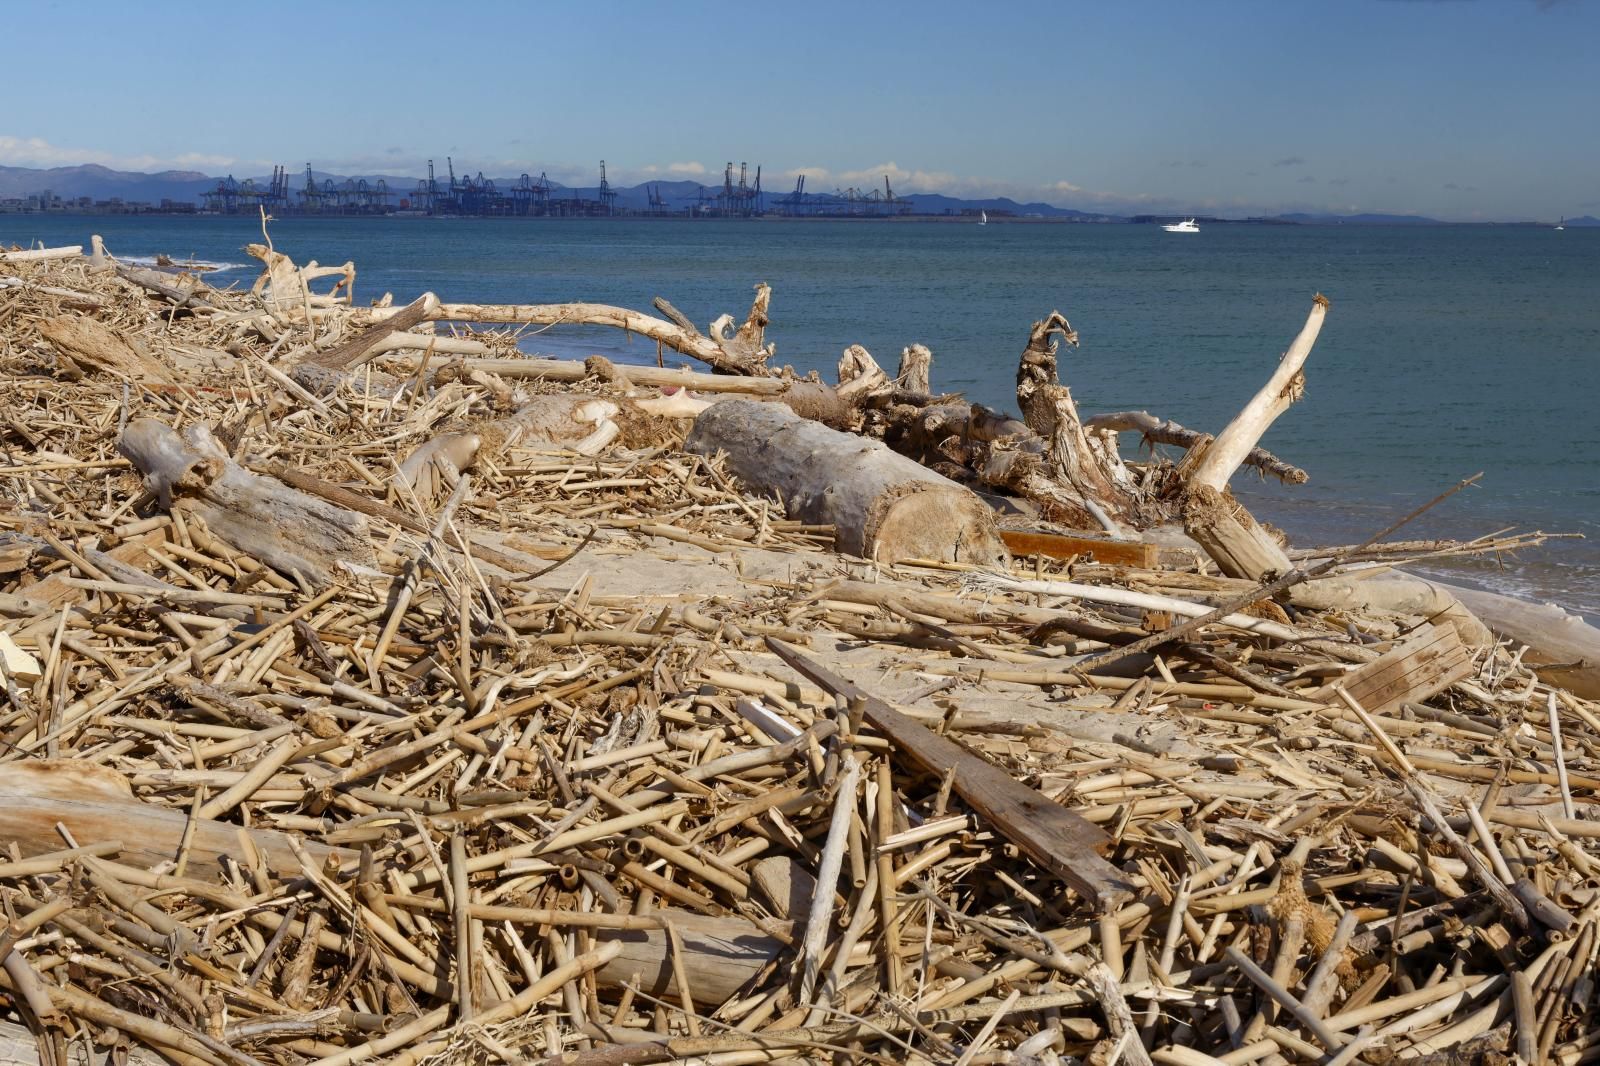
[[1448, 351]]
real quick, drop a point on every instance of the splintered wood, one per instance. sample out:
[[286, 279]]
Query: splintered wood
[[596, 759]]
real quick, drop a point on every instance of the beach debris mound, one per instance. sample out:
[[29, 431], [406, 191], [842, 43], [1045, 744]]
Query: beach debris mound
[[419, 710]]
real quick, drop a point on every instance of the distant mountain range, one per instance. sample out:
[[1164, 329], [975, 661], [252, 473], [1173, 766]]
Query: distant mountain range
[[102, 183], [1360, 220]]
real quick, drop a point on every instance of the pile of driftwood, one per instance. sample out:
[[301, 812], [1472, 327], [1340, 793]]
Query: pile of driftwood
[[375, 693]]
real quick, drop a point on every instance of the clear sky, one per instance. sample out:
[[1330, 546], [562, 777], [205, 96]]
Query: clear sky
[[1452, 108]]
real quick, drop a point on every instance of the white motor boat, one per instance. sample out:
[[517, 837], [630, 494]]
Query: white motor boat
[[1187, 226]]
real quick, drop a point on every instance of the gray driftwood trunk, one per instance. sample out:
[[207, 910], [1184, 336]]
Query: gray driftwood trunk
[[288, 530], [883, 505]]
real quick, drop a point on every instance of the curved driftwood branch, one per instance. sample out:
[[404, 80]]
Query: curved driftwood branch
[[1228, 532], [742, 352], [1287, 384], [1166, 431]]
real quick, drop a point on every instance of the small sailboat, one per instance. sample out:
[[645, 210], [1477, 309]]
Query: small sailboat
[[1562, 224], [983, 218], [1187, 226]]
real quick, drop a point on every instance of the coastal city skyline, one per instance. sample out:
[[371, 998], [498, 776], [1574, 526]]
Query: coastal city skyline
[[1254, 110]]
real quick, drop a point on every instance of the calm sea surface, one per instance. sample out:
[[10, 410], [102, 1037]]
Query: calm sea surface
[[1448, 351]]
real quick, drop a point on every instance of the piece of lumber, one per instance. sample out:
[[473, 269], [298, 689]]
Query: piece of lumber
[[96, 804], [360, 348], [288, 530], [1058, 839], [1097, 549], [1413, 671], [883, 505]]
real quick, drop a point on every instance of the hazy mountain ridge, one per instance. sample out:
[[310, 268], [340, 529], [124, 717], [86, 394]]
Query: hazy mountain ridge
[[101, 183], [94, 180]]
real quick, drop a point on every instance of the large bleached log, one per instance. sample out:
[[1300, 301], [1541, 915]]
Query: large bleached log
[[96, 805], [1385, 591], [1229, 534], [883, 505], [288, 530], [721, 954]]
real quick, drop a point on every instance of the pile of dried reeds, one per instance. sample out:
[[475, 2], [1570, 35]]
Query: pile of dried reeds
[[566, 766]]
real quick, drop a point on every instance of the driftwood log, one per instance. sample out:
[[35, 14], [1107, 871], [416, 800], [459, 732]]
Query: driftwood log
[[300, 535], [883, 505]]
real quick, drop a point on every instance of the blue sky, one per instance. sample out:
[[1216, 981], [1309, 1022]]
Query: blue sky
[[1454, 108]]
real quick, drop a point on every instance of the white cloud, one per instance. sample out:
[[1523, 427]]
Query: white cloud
[[692, 170], [38, 152]]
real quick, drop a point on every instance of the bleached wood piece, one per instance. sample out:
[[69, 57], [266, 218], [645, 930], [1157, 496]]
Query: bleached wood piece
[[287, 530], [41, 255], [738, 353], [1166, 431], [916, 369], [1286, 385], [1416, 669], [19, 1048], [884, 506], [96, 804]]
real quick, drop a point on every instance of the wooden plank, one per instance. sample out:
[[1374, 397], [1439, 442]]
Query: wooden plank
[[1423, 665], [1056, 838], [1100, 550]]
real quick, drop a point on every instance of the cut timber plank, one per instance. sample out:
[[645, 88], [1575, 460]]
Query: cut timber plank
[[1423, 665], [1061, 546], [1060, 840]]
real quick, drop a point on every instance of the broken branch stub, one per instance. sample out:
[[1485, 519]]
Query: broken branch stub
[[1091, 466], [297, 534]]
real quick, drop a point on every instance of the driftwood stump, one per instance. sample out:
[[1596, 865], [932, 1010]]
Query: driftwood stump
[[883, 505], [300, 535]]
